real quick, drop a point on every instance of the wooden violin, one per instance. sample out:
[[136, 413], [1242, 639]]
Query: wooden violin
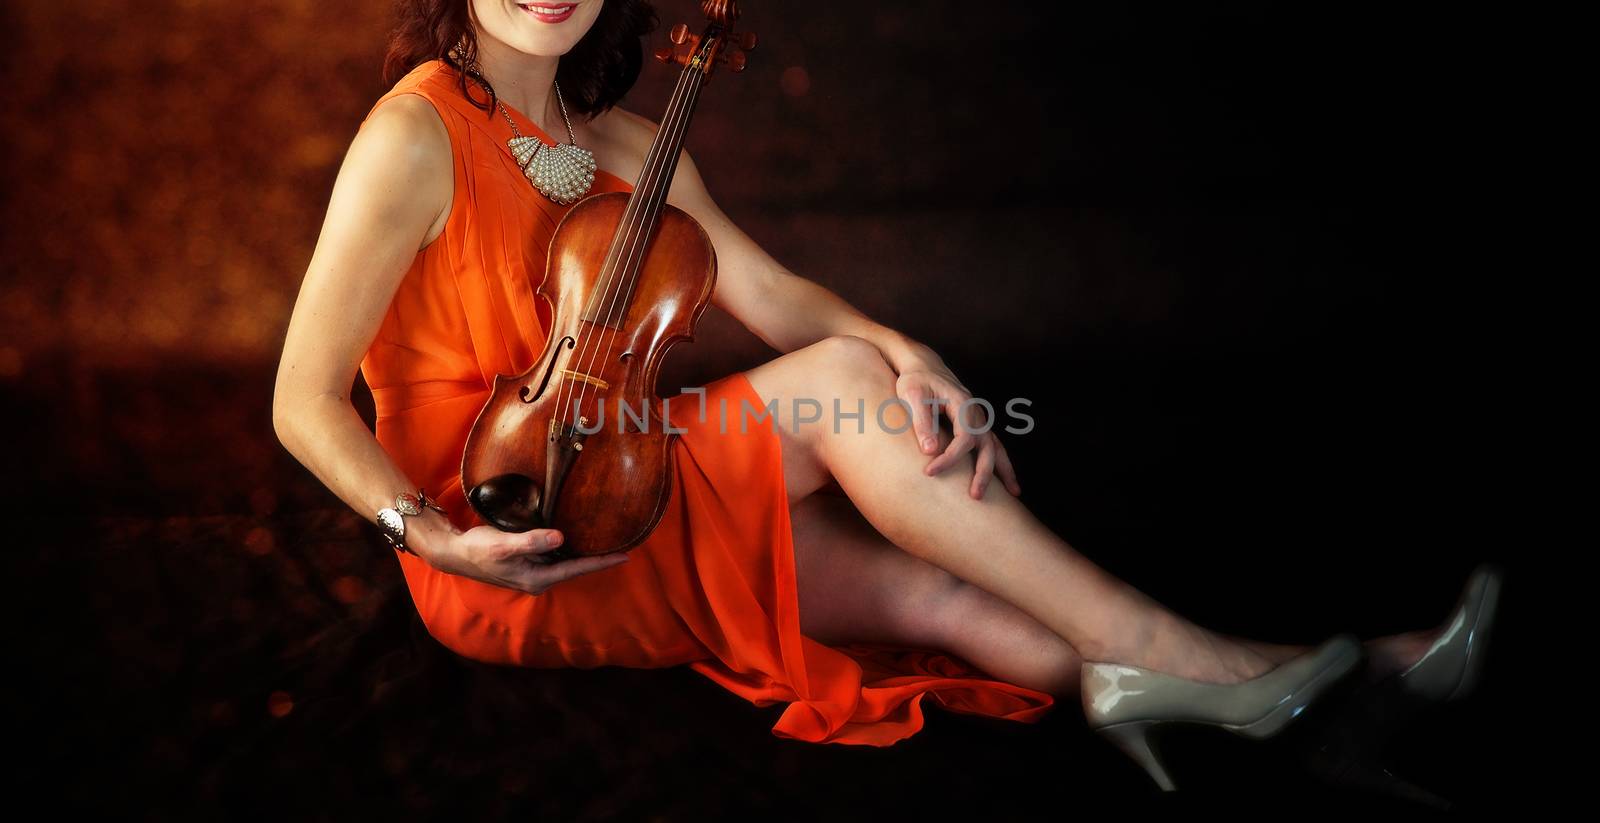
[[576, 442]]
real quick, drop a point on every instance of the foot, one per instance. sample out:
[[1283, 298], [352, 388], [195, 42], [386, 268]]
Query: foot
[[1172, 645], [1386, 655], [1397, 652]]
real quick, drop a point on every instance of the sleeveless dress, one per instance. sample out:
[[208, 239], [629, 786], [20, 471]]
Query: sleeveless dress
[[714, 585]]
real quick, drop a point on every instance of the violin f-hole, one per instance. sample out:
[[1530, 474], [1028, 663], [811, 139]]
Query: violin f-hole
[[528, 397]]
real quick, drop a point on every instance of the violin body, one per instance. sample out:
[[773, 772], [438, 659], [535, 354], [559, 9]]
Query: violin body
[[607, 494]]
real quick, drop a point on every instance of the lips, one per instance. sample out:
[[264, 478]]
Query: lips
[[548, 12]]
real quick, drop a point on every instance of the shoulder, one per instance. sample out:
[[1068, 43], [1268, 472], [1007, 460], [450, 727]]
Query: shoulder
[[409, 127], [405, 147], [624, 131], [402, 164], [621, 141]]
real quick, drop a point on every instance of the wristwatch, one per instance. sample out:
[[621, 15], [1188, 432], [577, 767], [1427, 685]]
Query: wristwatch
[[392, 521]]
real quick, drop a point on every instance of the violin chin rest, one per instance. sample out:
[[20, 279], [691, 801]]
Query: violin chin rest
[[509, 502]]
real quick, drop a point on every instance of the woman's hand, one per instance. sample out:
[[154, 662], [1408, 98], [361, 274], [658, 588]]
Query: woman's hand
[[510, 560], [926, 383]]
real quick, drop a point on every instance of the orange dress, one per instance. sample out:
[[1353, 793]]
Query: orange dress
[[714, 585]]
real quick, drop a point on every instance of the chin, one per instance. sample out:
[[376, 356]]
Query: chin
[[550, 28]]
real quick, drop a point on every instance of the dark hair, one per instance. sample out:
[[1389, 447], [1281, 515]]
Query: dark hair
[[593, 75]]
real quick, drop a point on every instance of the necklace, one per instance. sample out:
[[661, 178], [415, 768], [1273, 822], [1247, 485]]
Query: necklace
[[563, 172]]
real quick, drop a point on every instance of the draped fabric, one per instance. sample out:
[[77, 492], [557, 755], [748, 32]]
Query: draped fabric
[[714, 585]]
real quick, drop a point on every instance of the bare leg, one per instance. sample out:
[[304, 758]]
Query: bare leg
[[855, 586], [1386, 655], [935, 519]]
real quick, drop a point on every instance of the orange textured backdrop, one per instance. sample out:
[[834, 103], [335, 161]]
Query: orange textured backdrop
[[165, 169], [167, 165]]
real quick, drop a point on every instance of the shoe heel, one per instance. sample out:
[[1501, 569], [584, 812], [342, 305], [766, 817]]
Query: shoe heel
[[1135, 741]]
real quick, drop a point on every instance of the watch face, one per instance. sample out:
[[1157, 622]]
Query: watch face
[[408, 504]]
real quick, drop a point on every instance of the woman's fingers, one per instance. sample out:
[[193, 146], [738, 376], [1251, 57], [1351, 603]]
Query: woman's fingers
[[1004, 469], [923, 423], [959, 445], [966, 434], [518, 560], [511, 545], [985, 469], [542, 576], [952, 398]]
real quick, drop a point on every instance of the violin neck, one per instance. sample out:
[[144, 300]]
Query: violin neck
[[643, 212], [662, 160]]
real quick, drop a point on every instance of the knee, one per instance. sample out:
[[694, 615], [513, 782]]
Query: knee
[[849, 361]]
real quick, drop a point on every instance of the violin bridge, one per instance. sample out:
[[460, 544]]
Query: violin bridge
[[584, 378]]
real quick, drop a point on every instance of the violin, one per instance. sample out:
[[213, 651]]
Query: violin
[[626, 279]]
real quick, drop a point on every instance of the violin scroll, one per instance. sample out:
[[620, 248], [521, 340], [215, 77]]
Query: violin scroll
[[721, 12], [718, 45]]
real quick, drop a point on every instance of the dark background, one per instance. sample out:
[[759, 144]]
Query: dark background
[[1231, 253]]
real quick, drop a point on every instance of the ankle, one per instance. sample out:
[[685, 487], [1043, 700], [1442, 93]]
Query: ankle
[[1137, 640], [1397, 652]]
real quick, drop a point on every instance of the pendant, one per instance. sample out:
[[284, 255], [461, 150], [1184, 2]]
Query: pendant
[[564, 172]]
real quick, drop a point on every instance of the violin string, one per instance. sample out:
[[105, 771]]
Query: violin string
[[653, 206], [619, 302], [611, 273], [636, 238], [608, 270]]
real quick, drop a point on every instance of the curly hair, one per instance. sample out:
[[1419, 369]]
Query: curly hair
[[594, 75]]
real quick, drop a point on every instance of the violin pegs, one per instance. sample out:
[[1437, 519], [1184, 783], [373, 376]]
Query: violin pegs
[[747, 40], [736, 61], [664, 54], [678, 34]]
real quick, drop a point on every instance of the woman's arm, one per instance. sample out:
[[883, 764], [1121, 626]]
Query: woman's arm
[[790, 312], [785, 310], [394, 187]]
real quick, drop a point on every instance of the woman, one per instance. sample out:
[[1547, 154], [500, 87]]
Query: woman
[[927, 577]]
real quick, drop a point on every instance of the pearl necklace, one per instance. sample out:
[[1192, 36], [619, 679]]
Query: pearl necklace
[[563, 172]]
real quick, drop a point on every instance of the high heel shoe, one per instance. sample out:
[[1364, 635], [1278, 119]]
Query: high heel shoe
[[1124, 703], [1453, 665], [1349, 749]]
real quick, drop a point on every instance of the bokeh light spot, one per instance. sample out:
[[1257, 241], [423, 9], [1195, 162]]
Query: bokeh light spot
[[350, 589], [279, 704], [259, 541], [795, 81]]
